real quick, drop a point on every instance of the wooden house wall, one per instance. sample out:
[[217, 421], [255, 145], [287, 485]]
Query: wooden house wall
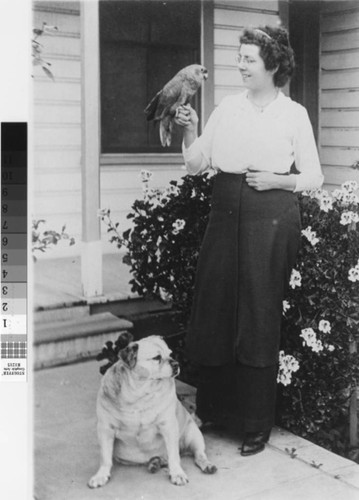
[[57, 123], [339, 91], [230, 17]]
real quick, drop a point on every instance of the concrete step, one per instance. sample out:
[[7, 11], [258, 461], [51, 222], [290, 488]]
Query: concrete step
[[129, 307], [68, 341], [120, 308], [61, 313]]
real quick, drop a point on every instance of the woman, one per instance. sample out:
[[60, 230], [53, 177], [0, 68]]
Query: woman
[[253, 140]]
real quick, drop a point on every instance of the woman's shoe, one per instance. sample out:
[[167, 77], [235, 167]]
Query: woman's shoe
[[254, 442]]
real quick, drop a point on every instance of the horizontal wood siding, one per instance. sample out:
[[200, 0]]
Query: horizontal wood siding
[[57, 124], [121, 184], [230, 17], [339, 91]]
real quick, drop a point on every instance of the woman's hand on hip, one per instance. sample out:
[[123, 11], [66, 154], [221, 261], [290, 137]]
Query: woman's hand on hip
[[186, 117]]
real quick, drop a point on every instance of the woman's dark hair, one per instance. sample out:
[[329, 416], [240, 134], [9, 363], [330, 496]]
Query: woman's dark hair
[[274, 49]]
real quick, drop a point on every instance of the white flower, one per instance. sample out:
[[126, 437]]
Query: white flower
[[346, 196], [173, 190], [348, 199], [346, 218], [354, 200], [324, 326], [147, 193], [353, 274], [286, 306], [165, 296], [350, 186], [308, 335], [322, 193], [145, 175], [295, 279], [103, 212], [310, 235], [178, 225], [326, 204], [287, 365], [330, 347], [317, 346], [338, 194], [313, 193], [156, 203], [284, 378], [310, 339]]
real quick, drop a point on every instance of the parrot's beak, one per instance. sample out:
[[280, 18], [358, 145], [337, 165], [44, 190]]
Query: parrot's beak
[[205, 74]]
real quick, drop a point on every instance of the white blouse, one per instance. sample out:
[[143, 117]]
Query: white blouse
[[237, 136]]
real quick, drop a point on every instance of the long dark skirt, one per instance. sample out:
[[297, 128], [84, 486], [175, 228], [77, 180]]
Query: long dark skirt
[[240, 395], [248, 252]]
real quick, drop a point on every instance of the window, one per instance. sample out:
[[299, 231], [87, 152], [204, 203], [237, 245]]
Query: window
[[142, 45]]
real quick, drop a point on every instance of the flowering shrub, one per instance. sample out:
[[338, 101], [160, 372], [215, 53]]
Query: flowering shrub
[[162, 248], [318, 368], [43, 240], [320, 319]]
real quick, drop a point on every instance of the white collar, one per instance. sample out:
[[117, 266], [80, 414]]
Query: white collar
[[273, 109]]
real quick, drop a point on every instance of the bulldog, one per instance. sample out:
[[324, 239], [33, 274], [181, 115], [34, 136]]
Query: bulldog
[[141, 420]]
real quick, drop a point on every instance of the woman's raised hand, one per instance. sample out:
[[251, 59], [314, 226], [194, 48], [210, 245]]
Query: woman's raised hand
[[186, 117]]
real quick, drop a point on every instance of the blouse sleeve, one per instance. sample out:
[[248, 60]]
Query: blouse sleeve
[[306, 155], [198, 157]]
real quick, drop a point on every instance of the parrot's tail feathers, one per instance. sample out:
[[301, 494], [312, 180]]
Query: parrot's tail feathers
[[166, 127], [151, 108]]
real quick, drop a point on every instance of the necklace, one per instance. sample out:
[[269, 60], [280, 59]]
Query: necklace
[[261, 107]]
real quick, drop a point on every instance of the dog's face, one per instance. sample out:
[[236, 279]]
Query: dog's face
[[150, 358]]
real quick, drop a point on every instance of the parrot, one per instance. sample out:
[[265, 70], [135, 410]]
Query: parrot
[[177, 92]]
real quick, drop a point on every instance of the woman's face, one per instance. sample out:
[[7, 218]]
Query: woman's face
[[252, 69]]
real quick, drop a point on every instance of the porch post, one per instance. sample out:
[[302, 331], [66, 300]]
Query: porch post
[[91, 252], [207, 58]]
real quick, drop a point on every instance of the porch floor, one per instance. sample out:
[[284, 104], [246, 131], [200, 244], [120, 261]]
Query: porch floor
[[66, 450], [67, 454]]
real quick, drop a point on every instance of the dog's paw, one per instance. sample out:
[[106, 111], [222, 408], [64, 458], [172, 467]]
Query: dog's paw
[[210, 469], [99, 479], [204, 464], [155, 464], [179, 477]]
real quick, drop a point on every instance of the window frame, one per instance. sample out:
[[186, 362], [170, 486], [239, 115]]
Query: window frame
[[207, 101]]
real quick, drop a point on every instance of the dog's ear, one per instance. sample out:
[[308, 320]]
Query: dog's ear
[[129, 355], [122, 341]]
